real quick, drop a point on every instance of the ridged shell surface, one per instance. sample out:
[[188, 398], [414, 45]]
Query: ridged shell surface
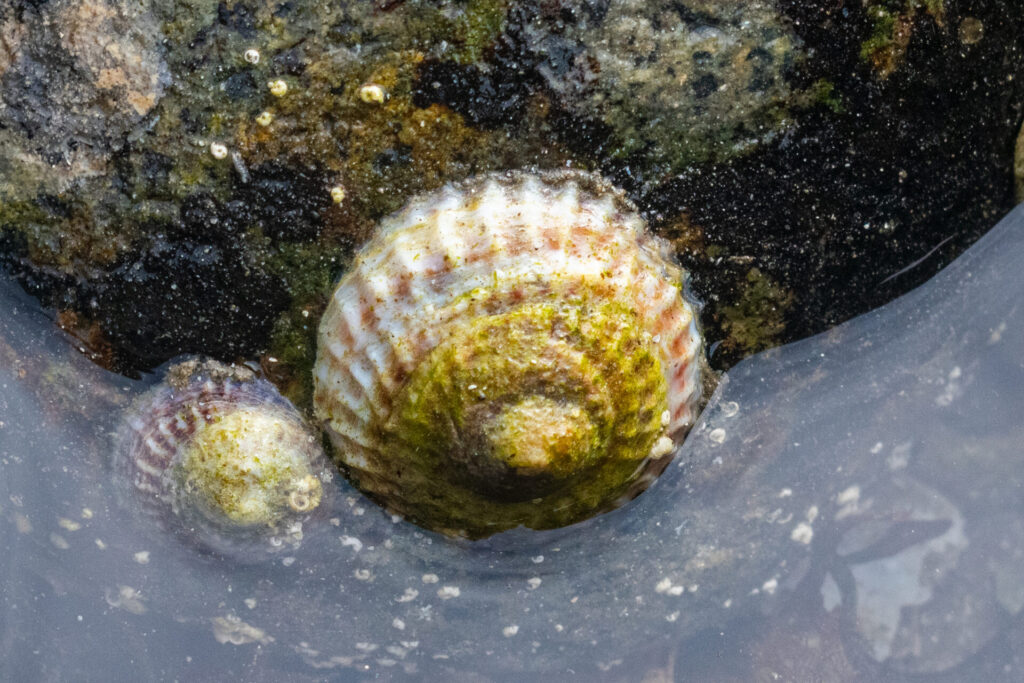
[[515, 349], [219, 456]]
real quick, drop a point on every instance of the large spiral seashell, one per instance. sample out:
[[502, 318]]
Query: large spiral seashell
[[513, 350], [218, 455]]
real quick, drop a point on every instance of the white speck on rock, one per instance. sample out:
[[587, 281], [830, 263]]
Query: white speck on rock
[[352, 542], [231, 629], [126, 598], [663, 446], [849, 495], [953, 389], [448, 592], [802, 533], [900, 456], [371, 93], [730, 409]]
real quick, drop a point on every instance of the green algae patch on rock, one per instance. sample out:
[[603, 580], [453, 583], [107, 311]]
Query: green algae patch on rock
[[702, 81], [757, 319], [892, 28]]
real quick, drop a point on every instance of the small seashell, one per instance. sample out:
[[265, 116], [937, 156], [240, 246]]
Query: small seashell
[[278, 87], [371, 93], [515, 349], [219, 455]]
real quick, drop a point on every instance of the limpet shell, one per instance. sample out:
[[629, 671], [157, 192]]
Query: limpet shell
[[218, 455], [512, 350]]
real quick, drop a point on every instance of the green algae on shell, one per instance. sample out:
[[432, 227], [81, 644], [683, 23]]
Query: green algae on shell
[[513, 350], [217, 454]]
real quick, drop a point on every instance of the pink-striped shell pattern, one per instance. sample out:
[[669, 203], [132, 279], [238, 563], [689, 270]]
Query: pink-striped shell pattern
[[479, 248], [161, 427]]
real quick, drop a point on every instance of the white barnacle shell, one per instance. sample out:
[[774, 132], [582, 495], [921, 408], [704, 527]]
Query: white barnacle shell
[[515, 349], [217, 454]]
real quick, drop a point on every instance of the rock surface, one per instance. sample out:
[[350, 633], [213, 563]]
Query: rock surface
[[163, 198]]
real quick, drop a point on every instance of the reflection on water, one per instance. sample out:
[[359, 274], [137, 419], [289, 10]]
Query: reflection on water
[[849, 507]]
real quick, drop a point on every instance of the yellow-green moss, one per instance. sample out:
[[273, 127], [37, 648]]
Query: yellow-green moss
[[756, 321], [824, 92], [64, 239], [892, 26], [542, 415], [251, 468], [309, 270], [479, 27]]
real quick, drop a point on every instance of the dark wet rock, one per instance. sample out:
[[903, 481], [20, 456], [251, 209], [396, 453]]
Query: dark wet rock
[[484, 97], [237, 17], [189, 297], [791, 149], [205, 220], [1018, 166], [241, 86], [76, 76], [676, 83], [855, 206], [286, 203]]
